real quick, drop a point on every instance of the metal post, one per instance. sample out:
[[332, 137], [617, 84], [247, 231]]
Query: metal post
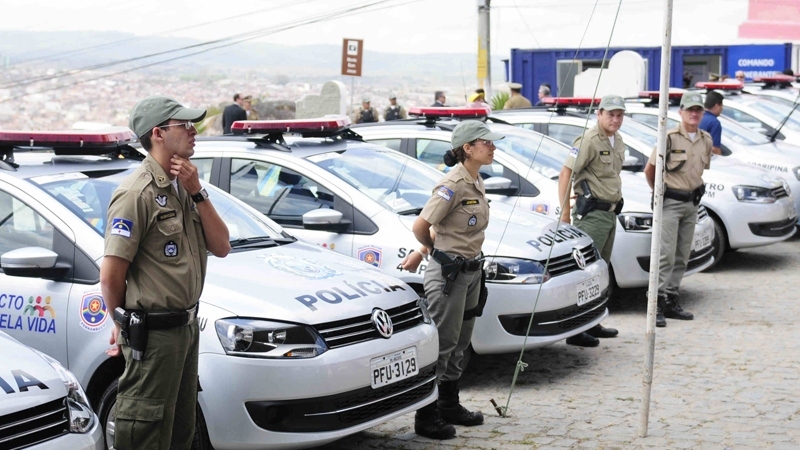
[[658, 206], [484, 51], [352, 105]]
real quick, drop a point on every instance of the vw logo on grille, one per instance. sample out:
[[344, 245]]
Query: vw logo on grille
[[383, 322], [579, 259]]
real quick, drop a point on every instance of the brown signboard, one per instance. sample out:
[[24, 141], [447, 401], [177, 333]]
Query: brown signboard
[[352, 49]]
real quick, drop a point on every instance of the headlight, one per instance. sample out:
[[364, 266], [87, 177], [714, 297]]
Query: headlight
[[636, 221], [423, 307], [515, 270], [754, 194], [796, 172], [268, 339], [81, 417]]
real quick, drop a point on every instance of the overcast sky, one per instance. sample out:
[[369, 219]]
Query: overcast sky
[[424, 26]]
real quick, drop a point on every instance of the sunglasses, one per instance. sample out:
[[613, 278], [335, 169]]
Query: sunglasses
[[187, 125]]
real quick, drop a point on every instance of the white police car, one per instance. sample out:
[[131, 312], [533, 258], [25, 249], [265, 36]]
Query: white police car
[[298, 346], [748, 205], [778, 88], [532, 163], [42, 406], [332, 189]]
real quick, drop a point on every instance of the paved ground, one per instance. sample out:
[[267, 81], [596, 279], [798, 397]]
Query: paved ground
[[730, 379]]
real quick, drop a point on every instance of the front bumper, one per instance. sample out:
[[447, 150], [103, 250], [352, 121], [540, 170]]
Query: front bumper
[[738, 217], [92, 440], [497, 331], [252, 403]]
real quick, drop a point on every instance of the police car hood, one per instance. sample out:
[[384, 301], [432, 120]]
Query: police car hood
[[515, 232], [32, 379], [731, 171], [775, 156], [300, 283]]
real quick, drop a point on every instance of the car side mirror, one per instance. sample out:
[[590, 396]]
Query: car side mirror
[[631, 163], [499, 186], [33, 262], [325, 219]]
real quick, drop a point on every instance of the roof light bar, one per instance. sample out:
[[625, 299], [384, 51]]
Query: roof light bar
[[434, 112], [775, 79], [108, 138], [570, 101], [323, 126], [734, 85], [655, 95]]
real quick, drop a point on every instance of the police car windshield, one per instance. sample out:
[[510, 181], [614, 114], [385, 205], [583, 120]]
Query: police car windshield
[[740, 134], [538, 152], [87, 195], [775, 111], [396, 182], [639, 131]]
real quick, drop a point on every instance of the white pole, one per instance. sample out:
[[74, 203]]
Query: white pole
[[484, 49], [655, 246]]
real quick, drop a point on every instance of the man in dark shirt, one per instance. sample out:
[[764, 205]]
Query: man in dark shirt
[[440, 99], [710, 123], [233, 113]]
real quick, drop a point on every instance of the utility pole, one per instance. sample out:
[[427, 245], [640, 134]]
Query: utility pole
[[484, 53]]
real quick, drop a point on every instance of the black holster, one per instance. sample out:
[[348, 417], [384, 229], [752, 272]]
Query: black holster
[[620, 204], [134, 329], [698, 193], [451, 267], [477, 311], [584, 205]]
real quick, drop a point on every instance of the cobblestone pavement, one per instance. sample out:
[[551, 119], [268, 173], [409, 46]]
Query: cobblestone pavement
[[730, 379]]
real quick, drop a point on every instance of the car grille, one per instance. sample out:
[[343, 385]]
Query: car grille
[[780, 192], [33, 425], [566, 263], [702, 213], [360, 329], [551, 323], [341, 411], [773, 229]]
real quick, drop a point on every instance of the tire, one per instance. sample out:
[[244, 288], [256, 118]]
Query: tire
[[719, 244], [106, 415]]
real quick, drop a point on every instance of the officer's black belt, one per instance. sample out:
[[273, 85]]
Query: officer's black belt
[[681, 196], [605, 206], [162, 320], [472, 265]]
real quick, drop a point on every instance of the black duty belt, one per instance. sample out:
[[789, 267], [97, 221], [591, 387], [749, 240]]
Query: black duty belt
[[472, 265], [681, 196], [605, 206], [162, 320]]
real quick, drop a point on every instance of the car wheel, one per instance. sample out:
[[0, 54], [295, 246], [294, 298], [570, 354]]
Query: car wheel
[[107, 416], [720, 243]]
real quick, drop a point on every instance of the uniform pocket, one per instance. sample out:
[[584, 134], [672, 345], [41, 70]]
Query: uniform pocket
[[138, 422], [676, 158], [172, 231]]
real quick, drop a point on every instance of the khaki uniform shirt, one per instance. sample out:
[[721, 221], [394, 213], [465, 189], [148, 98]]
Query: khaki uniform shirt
[[696, 156], [459, 213], [594, 159], [159, 232], [517, 101]]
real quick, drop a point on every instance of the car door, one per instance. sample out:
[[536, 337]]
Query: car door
[[34, 310]]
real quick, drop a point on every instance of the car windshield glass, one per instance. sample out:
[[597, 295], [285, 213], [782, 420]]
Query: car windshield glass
[[740, 134], [396, 182], [775, 111], [535, 150], [640, 131], [87, 195]]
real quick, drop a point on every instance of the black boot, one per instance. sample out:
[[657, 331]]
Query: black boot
[[428, 423], [673, 310], [660, 320], [451, 409], [583, 340]]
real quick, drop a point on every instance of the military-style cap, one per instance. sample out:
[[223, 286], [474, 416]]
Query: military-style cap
[[156, 109], [691, 99], [514, 86], [612, 102], [392, 96], [365, 99], [469, 130]]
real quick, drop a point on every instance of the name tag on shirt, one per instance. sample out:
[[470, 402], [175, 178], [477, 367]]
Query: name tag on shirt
[[604, 152], [167, 215], [469, 202]]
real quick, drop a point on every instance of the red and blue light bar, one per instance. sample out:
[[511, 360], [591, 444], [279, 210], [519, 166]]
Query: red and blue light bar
[[438, 112], [571, 101], [332, 125], [655, 95], [734, 85], [775, 79]]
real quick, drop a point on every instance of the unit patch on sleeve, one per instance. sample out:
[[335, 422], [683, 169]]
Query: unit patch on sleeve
[[444, 192], [574, 152], [121, 227]]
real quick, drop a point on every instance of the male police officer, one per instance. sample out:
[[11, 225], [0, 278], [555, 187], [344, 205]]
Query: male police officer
[[367, 114], [394, 111], [688, 154], [161, 225], [517, 100], [596, 160]]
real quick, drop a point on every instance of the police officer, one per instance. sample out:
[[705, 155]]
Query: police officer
[[688, 154], [517, 100], [394, 111], [161, 226], [458, 214], [596, 161], [367, 114]]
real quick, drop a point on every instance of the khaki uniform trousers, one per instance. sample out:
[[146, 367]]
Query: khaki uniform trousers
[[677, 232], [601, 226], [447, 312], [157, 398]]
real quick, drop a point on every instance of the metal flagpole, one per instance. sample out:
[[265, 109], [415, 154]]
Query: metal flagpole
[[352, 106], [658, 206]]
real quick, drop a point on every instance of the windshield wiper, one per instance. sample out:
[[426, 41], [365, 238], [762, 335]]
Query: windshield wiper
[[785, 119], [410, 212], [258, 241]]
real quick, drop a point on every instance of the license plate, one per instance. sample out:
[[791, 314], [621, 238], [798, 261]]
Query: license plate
[[588, 290], [392, 368], [704, 240]]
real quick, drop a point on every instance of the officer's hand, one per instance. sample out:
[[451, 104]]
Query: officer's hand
[[115, 349], [186, 173], [412, 261]]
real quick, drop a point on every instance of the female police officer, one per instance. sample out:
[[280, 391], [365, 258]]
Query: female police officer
[[459, 214]]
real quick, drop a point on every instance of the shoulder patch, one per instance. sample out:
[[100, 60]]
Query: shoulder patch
[[445, 193], [574, 152], [121, 227]]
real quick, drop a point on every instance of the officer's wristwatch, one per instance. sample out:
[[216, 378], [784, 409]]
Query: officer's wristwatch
[[200, 196]]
